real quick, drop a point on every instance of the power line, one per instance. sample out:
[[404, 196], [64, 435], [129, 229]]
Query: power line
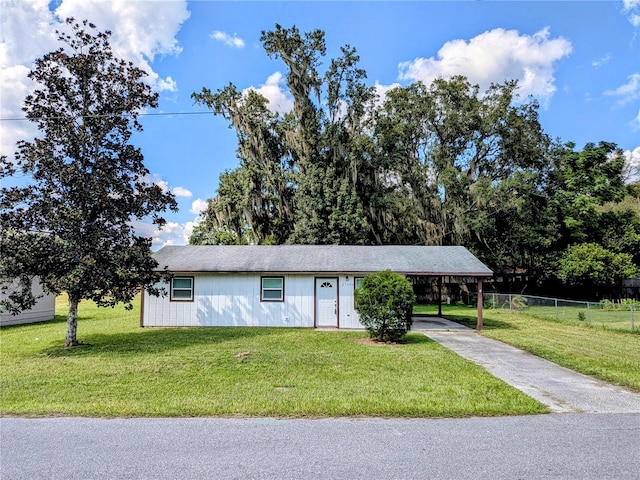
[[160, 114]]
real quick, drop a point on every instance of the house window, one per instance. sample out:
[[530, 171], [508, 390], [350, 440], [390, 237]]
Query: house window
[[357, 281], [272, 289], [182, 289]]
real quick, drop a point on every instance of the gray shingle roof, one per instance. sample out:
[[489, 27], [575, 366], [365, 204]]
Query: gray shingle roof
[[421, 260]]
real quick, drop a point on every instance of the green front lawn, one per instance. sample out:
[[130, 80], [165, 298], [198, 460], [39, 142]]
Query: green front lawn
[[124, 370], [612, 355]]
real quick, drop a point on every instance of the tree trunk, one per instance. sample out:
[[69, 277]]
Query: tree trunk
[[72, 322]]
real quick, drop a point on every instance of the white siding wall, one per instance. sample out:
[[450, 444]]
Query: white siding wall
[[234, 300], [43, 310], [348, 314]]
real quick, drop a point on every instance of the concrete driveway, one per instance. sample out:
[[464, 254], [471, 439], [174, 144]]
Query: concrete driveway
[[560, 389]]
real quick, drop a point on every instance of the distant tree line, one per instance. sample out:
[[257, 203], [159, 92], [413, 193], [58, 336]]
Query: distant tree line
[[444, 164]]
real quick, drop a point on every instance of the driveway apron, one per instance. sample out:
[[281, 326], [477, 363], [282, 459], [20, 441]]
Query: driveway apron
[[560, 389]]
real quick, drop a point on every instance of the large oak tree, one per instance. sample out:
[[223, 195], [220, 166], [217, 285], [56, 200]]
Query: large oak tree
[[437, 164], [71, 225]]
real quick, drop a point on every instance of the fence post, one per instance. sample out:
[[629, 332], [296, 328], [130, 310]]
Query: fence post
[[510, 304], [588, 313], [632, 325], [556, 309]]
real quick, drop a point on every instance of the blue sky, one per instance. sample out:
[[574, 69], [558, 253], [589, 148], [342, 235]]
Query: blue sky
[[581, 60]]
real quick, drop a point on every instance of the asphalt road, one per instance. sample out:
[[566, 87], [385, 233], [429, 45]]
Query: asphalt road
[[557, 446]]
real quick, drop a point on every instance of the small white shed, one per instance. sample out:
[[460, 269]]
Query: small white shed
[[285, 285], [43, 310]]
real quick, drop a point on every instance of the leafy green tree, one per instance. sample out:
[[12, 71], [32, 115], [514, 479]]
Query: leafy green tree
[[633, 190], [71, 226], [300, 169], [469, 168], [582, 181], [443, 164], [514, 226], [255, 201], [593, 267], [618, 230], [385, 301]]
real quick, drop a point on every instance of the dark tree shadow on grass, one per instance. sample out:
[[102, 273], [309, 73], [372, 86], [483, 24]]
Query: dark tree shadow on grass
[[464, 315], [158, 340], [54, 320], [472, 322], [416, 338]]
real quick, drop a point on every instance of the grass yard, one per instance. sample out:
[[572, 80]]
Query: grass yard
[[610, 315], [595, 314], [124, 370], [612, 355]]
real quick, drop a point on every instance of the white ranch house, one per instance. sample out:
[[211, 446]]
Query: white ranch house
[[286, 285]]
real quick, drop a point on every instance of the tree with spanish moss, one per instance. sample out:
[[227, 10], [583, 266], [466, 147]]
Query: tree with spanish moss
[[298, 170]]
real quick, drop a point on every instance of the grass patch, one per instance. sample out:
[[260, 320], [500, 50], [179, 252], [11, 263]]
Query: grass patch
[[612, 355], [123, 370]]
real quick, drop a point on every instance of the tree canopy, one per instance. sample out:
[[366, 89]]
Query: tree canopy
[[443, 164], [71, 225]]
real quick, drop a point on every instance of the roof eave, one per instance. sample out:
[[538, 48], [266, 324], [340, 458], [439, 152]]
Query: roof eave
[[328, 272]]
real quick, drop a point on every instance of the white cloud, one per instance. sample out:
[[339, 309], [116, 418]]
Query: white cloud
[[181, 192], [632, 10], [172, 233], [493, 57], [228, 40], [198, 206], [187, 230], [279, 100], [599, 62], [632, 164], [381, 91], [156, 179], [629, 91], [140, 31]]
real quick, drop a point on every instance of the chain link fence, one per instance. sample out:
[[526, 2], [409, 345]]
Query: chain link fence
[[624, 315]]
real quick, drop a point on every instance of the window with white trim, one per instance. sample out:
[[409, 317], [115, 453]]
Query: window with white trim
[[182, 289], [272, 289], [356, 284]]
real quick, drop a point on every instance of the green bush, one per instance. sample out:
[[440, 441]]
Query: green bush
[[518, 303], [624, 305], [385, 301]]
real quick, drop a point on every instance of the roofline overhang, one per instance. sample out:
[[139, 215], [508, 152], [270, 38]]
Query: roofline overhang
[[327, 272]]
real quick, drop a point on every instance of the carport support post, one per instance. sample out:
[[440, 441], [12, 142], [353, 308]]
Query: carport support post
[[440, 296], [479, 324]]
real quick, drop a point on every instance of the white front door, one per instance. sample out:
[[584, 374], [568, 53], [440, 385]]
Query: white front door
[[326, 302]]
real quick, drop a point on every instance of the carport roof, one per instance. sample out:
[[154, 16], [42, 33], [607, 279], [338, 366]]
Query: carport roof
[[410, 260]]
